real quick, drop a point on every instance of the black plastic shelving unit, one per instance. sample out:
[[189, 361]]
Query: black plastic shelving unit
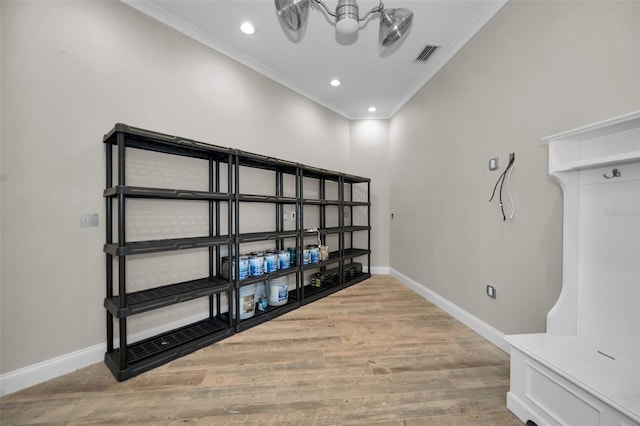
[[278, 169], [351, 253], [127, 359], [132, 358], [345, 253]]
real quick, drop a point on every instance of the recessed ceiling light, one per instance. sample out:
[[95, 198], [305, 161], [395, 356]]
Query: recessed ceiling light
[[247, 28], [372, 109], [335, 82]]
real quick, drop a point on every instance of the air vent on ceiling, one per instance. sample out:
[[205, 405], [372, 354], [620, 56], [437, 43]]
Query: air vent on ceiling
[[426, 53]]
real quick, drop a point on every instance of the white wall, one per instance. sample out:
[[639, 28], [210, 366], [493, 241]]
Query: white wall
[[370, 157], [70, 70], [535, 69]]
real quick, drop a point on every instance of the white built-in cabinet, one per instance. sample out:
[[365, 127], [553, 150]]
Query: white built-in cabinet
[[585, 370]]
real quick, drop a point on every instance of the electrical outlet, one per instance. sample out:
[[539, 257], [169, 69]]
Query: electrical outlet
[[491, 291], [494, 163]]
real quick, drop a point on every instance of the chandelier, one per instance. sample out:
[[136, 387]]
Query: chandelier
[[394, 23]]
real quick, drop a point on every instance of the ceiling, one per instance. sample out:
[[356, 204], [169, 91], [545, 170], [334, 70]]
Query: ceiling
[[308, 66]]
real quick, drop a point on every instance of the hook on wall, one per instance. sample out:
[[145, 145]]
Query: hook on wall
[[614, 174]]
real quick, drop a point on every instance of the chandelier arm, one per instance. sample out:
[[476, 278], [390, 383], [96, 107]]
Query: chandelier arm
[[324, 6], [377, 9]]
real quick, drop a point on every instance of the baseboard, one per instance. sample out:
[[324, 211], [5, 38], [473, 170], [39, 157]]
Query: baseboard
[[482, 328], [22, 378], [25, 377], [522, 411], [379, 270]]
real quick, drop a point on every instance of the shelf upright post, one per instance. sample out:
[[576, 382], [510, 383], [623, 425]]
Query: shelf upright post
[[122, 288], [351, 208], [279, 209], [341, 227], [298, 208], [236, 299], [350, 217], [323, 213], [213, 176], [229, 232], [109, 240], [369, 226], [300, 230], [323, 207]]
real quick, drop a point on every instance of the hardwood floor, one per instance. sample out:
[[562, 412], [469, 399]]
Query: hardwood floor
[[375, 353]]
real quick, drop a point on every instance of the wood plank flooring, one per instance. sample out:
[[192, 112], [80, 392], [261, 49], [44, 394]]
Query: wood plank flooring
[[375, 353]]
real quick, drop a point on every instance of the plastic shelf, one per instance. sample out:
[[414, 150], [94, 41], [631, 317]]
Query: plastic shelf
[[164, 193], [356, 228], [168, 144], [312, 293], [357, 278], [332, 230], [250, 159], [154, 351], [266, 276], [267, 199], [355, 179], [318, 173], [158, 297], [155, 246], [263, 236], [271, 313], [334, 257], [350, 253], [316, 202], [356, 204]]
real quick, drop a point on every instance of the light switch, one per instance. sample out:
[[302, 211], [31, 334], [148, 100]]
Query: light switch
[[88, 220]]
